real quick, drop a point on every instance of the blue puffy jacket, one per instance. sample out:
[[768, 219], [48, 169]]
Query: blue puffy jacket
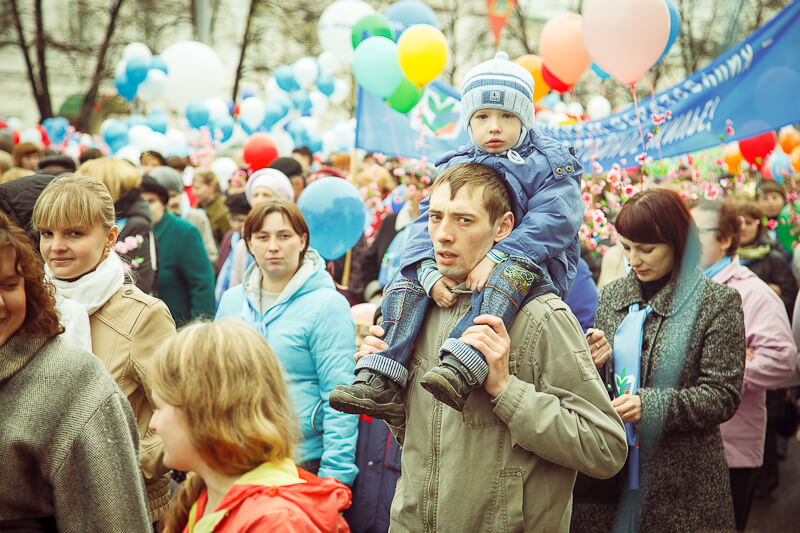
[[311, 331], [545, 186]]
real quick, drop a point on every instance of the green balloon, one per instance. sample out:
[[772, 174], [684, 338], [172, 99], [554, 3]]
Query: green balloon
[[786, 227], [405, 97], [371, 26]]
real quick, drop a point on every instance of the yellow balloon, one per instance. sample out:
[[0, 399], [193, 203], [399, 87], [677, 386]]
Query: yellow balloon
[[422, 53]]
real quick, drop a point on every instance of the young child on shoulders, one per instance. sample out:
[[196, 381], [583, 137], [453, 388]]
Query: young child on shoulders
[[541, 254]]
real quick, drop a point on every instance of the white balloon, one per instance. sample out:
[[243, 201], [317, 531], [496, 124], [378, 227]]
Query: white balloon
[[328, 63], [176, 142], [306, 71], [329, 142], [130, 153], [560, 107], [195, 71], [319, 103], [156, 141], [575, 109], [217, 108], [341, 91], [336, 26], [598, 107], [31, 135], [224, 167], [283, 141], [139, 136], [153, 85], [252, 112], [14, 124], [272, 90], [136, 50], [85, 139]]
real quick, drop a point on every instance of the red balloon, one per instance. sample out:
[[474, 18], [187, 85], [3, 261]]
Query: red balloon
[[554, 83], [43, 133], [259, 151], [755, 149]]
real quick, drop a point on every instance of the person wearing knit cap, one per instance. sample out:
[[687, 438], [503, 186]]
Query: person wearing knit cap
[[185, 275], [543, 178], [268, 183], [178, 205]]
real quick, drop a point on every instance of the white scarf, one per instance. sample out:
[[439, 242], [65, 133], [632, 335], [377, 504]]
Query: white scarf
[[77, 300]]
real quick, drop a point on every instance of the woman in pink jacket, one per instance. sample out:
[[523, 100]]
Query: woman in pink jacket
[[771, 352]]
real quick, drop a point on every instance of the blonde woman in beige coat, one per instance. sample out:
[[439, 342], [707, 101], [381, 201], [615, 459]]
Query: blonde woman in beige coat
[[100, 308]]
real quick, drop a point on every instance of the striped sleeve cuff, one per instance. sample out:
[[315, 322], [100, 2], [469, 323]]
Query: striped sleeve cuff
[[428, 274], [497, 256]]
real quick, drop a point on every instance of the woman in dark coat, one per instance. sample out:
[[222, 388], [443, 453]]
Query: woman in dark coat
[[690, 377]]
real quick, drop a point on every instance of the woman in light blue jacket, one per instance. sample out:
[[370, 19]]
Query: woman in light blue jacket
[[289, 297]]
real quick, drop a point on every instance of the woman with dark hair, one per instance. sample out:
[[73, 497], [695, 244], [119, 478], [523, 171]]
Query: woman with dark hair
[[676, 374], [68, 438], [289, 297], [771, 352]]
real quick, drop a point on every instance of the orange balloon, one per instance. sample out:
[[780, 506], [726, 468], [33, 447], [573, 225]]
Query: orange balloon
[[732, 157], [533, 64], [789, 139], [796, 158], [562, 48]]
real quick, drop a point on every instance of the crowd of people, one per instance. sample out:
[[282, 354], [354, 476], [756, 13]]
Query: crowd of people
[[177, 357]]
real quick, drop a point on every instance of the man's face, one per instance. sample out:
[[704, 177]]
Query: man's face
[[460, 229]]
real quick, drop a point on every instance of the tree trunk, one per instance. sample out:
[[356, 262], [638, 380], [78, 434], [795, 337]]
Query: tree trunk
[[523, 27], [245, 42], [37, 95], [91, 94], [46, 109]]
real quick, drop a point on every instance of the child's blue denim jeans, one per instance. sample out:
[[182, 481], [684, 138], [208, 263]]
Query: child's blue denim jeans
[[511, 285]]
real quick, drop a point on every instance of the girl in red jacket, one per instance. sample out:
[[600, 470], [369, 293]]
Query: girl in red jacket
[[224, 415]]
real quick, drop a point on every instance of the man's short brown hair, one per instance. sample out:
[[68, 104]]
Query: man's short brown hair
[[496, 198]]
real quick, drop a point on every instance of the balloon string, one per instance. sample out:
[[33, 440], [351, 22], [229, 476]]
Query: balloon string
[[655, 109], [638, 119]]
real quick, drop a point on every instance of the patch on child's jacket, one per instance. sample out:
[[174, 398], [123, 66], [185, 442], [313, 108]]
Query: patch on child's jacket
[[519, 279], [586, 365]]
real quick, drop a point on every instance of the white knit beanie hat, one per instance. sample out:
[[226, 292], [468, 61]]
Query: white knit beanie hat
[[498, 84], [271, 178]]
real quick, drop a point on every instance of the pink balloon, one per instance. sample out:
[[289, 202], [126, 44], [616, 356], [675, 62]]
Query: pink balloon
[[625, 37], [562, 49]]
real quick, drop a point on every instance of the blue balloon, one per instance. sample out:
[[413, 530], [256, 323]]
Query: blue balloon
[[135, 120], [302, 101], [335, 214], [157, 121], [159, 63], [246, 128], [56, 128], [124, 87], [222, 128], [314, 141], [197, 113], [551, 100], [781, 166], [406, 13], [284, 101], [298, 131], [602, 74], [115, 134], [231, 105], [326, 84], [284, 75], [246, 92], [136, 69], [273, 112], [674, 28]]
